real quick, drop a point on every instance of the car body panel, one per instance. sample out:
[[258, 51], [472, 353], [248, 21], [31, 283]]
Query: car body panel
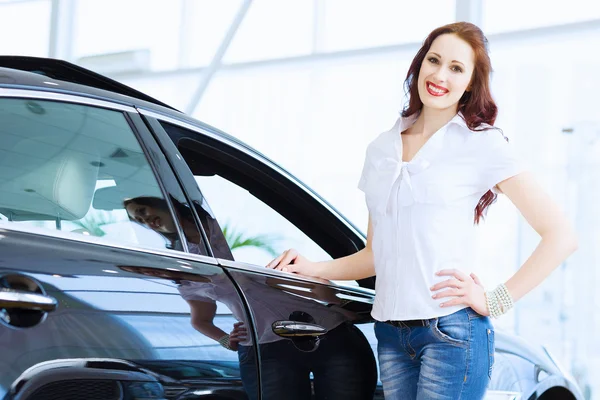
[[110, 308]]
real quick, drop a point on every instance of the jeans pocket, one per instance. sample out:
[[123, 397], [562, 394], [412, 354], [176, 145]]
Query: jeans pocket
[[472, 313], [491, 350], [454, 328], [245, 353]]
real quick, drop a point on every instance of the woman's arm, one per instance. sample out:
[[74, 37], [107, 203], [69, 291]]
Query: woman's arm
[[202, 315], [355, 266], [558, 241], [558, 238]]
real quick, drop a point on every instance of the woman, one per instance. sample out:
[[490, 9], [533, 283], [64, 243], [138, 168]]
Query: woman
[[153, 213], [426, 181]]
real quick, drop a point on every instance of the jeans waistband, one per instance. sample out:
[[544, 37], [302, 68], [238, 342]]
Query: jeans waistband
[[409, 323]]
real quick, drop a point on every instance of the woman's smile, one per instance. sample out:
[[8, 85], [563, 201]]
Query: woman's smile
[[436, 90]]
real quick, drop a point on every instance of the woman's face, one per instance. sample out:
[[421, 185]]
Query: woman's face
[[154, 218], [446, 72]]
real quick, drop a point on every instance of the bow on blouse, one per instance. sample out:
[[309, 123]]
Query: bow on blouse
[[391, 170], [388, 167]]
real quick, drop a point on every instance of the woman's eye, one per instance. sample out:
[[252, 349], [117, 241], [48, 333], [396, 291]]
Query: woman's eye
[[433, 60], [457, 69]]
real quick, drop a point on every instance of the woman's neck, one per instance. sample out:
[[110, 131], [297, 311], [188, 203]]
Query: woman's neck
[[430, 121]]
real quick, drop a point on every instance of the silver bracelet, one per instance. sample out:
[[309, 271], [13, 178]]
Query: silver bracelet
[[499, 301], [505, 298], [224, 341], [492, 304]]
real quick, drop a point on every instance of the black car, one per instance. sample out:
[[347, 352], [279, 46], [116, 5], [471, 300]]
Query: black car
[[119, 220]]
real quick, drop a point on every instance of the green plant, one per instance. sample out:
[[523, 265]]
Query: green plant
[[236, 239]]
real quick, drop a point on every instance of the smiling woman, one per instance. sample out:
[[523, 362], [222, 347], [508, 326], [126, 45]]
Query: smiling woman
[[451, 72], [428, 181]]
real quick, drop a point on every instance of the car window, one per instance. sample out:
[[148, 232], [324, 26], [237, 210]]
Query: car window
[[254, 231], [79, 169], [257, 226]]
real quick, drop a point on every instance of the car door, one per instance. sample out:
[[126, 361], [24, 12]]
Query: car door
[[108, 289], [315, 338]]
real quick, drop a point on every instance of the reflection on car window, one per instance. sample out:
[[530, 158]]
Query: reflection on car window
[[71, 168]]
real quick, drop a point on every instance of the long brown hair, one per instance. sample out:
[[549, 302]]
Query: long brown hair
[[476, 105]]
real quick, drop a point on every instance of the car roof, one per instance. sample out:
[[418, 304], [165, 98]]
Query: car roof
[[86, 80]]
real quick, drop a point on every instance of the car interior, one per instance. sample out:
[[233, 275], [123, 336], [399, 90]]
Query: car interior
[[56, 159]]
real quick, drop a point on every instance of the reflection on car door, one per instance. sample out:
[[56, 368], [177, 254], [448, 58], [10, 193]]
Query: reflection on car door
[[123, 324], [309, 345]]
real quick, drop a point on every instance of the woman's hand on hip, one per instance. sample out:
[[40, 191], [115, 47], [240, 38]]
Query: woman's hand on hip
[[238, 334], [461, 289]]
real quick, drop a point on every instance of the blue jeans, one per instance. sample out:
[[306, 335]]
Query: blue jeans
[[450, 358]]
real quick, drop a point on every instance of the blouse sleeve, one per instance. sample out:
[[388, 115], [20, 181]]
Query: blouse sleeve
[[196, 291], [362, 183], [500, 160]]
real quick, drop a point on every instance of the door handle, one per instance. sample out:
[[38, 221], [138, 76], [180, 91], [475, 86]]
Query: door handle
[[10, 298], [291, 329]]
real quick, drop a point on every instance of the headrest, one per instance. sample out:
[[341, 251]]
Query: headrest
[[62, 186]]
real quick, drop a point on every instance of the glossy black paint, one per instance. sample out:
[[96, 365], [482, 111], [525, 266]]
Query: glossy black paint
[[65, 71], [120, 312]]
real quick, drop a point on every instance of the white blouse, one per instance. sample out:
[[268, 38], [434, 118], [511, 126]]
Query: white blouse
[[422, 211]]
